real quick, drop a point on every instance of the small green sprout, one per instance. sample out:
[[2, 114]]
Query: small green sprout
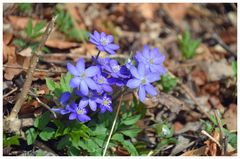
[[187, 45]]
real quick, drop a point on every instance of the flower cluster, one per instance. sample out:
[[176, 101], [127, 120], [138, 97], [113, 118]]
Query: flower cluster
[[93, 85]]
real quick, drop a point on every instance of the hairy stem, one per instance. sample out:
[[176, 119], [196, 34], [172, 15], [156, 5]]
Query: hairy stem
[[29, 76], [98, 55], [113, 126]]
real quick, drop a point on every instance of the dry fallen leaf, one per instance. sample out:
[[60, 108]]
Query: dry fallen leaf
[[7, 37], [20, 23], [177, 11], [60, 44], [230, 117], [212, 148], [196, 152]]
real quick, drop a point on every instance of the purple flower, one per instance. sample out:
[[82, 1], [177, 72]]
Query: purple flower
[[116, 70], [78, 112], [152, 59], [90, 99], [105, 103], [103, 42], [62, 111], [64, 98], [102, 82], [142, 80], [83, 76]]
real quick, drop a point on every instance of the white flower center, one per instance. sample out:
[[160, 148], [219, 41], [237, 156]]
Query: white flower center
[[116, 68], [104, 41], [83, 75]]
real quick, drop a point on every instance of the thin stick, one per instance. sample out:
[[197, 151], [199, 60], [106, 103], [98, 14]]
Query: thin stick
[[210, 137], [45, 105], [223, 138], [38, 70], [29, 76], [113, 126], [98, 54], [10, 92]]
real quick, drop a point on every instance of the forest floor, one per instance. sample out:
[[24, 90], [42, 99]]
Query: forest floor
[[201, 88]]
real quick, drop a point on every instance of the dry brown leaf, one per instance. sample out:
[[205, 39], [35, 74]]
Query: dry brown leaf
[[11, 61], [230, 117], [196, 152], [212, 148], [7, 37], [177, 11], [60, 44], [148, 10], [20, 23]]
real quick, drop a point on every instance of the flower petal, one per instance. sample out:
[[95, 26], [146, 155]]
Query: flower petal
[[152, 77], [150, 90], [97, 35], [93, 105], [133, 83], [80, 65], [110, 38], [92, 71], [83, 102], [91, 84], [100, 47], [84, 88], [134, 72], [64, 97], [75, 82], [72, 69], [83, 118], [141, 69], [72, 116], [141, 93], [109, 50], [112, 46], [145, 51]]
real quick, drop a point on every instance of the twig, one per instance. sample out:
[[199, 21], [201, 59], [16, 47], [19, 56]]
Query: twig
[[42, 104], [113, 126], [210, 137], [10, 92], [29, 76], [190, 94], [38, 70], [223, 140], [222, 43]]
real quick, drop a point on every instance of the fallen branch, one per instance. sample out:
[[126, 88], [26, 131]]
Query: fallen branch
[[29, 76]]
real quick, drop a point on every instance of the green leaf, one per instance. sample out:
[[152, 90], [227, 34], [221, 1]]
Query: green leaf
[[31, 136], [126, 144], [63, 142], [42, 121], [47, 133], [131, 120], [72, 151], [234, 67], [19, 43], [51, 84], [29, 29], [187, 45], [131, 132], [168, 82], [24, 7], [9, 141]]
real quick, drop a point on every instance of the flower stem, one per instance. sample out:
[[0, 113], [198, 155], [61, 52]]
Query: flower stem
[[113, 126], [98, 55]]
